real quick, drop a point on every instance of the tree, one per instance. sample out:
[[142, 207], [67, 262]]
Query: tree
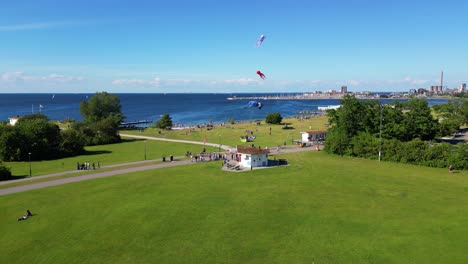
[[34, 117], [72, 143], [10, 143], [274, 118], [102, 117], [392, 121], [337, 141], [100, 106], [451, 116], [5, 172], [165, 122], [40, 137], [418, 121], [350, 117]]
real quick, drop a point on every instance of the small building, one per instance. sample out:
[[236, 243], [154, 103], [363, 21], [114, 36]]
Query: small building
[[310, 136], [14, 119], [252, 157]]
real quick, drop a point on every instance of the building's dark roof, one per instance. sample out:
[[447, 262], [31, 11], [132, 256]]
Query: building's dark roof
[[252, 150], [316, 132]]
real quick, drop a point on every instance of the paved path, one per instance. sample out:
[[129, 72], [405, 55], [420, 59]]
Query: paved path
[[45, 184], [80, 171], [178, 141], [288, 149], [56, 182]]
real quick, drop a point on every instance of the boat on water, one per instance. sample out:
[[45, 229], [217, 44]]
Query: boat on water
[[325, 108]]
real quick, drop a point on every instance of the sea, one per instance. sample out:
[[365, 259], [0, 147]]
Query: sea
[[185, 109]]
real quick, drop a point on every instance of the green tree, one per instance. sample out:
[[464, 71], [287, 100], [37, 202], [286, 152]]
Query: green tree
[[392, 121], [102, 117], [72, 143], [5, 172], [464, 110], [40, 137], [34, 117], [337, 141], [100, 106], [165, 122], [274, 118], [11, 142], [418, 121], [451, 116], [350, 117]]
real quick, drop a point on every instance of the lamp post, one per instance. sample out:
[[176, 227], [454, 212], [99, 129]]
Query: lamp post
[[145, 149], [30, 174], [380, 133], [219, 139]]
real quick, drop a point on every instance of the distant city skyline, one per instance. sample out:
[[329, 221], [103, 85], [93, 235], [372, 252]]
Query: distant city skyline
[[210, 46]]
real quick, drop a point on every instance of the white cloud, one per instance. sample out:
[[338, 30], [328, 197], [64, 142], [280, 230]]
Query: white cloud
[[354, 82], [153, 82], [10, 76], [409, 80], [174, 82], [30, 26], [242, 81], [15, 77], [54, 24]]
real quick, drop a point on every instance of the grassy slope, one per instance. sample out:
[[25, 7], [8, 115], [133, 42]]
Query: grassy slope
[[320, 208], [128, 151], [133, 150], [230, 134]]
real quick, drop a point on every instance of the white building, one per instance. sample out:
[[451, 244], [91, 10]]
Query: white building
[[252, 157], [14, 119], [310, 136], [462, 88]]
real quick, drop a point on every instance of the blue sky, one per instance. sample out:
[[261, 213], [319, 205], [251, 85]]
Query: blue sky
[[209, 46]]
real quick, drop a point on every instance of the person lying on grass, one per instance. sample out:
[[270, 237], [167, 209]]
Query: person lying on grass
[[26, 216]]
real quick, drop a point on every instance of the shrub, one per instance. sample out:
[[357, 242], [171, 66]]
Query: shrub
[[274, 118]]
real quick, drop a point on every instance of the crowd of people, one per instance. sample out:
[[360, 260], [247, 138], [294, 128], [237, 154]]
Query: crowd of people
[[87, 166]]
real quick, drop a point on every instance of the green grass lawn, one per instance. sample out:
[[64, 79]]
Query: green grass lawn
[[133, 150], [129, 150], [230, 134], [320, 208]]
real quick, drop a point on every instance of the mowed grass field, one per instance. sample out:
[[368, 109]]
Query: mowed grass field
[[230, 133], [130, 150], [319, 209]]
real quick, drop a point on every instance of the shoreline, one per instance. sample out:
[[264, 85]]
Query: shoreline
[[328, 97]]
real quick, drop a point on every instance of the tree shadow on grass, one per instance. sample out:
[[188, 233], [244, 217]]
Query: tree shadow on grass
[[96, 152], [14, 178], [129, 140]]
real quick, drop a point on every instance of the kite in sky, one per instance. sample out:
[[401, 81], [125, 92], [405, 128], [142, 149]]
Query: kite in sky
[[255, 104], [260, 40], [261, 75]]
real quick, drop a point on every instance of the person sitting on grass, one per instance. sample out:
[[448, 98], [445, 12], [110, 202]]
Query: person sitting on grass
[[26, 216]]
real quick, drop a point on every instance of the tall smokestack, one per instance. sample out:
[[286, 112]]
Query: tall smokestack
[[441, 80]]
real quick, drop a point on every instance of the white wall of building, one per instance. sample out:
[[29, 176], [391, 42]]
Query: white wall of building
[[259, 160]]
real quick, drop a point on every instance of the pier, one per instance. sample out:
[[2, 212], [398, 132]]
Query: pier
[[136, 123]]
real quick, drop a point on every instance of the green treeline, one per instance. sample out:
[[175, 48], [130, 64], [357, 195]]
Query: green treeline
[[403, 132], [35, 137]]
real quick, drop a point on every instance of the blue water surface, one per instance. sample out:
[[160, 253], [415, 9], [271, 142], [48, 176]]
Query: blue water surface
[[185, 109]]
